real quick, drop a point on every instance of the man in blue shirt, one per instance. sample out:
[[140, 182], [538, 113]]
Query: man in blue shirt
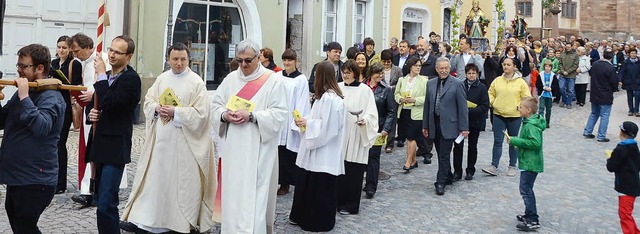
[[32, 121]]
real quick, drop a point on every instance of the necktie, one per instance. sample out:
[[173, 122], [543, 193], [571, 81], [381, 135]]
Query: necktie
[[438, 93]]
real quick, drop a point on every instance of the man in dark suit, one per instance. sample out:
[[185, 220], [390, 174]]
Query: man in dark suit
[[429, 70], [401, 58], [118, 94], [445, 118], [428, 59], [333, 51]]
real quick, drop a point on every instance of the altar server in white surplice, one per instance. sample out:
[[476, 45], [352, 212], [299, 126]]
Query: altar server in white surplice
[[297, 88], [361, 132], [250, 149], [174, 186], [320, 155]]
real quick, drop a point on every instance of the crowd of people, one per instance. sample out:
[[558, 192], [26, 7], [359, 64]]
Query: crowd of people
[[273, 126]]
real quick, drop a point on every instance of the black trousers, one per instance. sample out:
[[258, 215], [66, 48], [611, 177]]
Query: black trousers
[[287, 166], [392, 132], [314, 201], [25, 204], [581, 93], [350, 187], [62, 150], [373, 169], [443, 147], [472, 154], [425, 146]]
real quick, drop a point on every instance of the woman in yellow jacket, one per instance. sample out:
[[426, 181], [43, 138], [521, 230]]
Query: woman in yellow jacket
[[505, 94], [409, 94]]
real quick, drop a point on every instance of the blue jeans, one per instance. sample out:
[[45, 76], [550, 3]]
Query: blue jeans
[[633, 100], [108, 178], [567, 89], [601, 111], [512, 125], [527, 179]]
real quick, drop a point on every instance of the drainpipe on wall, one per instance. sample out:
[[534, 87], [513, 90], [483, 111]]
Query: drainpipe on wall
[[169, 34], [140, 42]]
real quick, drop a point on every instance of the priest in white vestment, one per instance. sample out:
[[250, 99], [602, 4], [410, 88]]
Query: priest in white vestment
[[361, 131], [174, 186], [250, 145]]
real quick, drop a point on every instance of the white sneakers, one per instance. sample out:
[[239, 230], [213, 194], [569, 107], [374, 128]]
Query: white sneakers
[[492, 170]]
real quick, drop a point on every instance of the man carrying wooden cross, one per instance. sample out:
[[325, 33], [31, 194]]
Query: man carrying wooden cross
[[32, 121]]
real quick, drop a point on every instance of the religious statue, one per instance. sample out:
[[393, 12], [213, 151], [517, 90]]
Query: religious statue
[[519, 26], [476, 24]]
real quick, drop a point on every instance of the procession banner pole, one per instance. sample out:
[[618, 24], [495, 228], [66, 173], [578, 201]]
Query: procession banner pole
[[100, 39]]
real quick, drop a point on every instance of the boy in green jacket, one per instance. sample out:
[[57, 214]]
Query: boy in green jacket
[[530, 160]]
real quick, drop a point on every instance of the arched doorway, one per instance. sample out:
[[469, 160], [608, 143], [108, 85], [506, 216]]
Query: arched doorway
[[416, 21], [211, 29]]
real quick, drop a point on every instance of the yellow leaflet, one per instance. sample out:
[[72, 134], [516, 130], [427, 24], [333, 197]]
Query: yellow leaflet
[[381, 140], [406, 94], [297, 116], [471, 104], [608, 153], [507, 135], [237, 103], [168, 97]]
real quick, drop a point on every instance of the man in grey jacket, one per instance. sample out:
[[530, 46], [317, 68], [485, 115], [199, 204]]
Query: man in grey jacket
[[459, 61], [446, 116], [568, 69]]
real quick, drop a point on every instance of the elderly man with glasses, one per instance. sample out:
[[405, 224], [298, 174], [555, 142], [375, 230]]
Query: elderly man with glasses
[[249, 109]]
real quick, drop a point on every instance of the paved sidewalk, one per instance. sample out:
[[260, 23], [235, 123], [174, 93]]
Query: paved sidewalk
[[575, 193]]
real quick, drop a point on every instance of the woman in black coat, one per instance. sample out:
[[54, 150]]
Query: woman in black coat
[[386, 106], [478, 94], [66, 64]]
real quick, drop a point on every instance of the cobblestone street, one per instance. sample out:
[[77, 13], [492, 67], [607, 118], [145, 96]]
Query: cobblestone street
[[575, 193]]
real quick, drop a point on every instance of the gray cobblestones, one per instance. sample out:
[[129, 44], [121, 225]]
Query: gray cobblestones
[[575, 193]]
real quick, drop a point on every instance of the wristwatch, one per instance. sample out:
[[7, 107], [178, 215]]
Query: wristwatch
[[251, 117]]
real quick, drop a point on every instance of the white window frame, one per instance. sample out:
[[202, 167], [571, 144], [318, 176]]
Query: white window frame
[[325, 16], [363, 24]]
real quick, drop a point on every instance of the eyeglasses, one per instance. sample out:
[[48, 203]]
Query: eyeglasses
[[247, 60], [24, 66], [109, 50], [386, 61]]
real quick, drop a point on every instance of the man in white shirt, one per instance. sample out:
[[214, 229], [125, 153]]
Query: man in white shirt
[[401, 58]]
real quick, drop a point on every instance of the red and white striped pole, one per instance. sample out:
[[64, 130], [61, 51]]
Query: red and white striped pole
[[100, 39], [100, 26]]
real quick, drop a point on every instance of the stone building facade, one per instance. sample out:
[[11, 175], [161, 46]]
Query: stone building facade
[[611, 18]]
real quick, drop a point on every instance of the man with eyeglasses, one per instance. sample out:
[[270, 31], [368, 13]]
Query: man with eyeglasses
[[117, 95], [250, 135], [32, 122], [333, 50]]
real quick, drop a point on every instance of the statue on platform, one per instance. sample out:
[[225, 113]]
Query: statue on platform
[[476, 23], [519, 26]]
